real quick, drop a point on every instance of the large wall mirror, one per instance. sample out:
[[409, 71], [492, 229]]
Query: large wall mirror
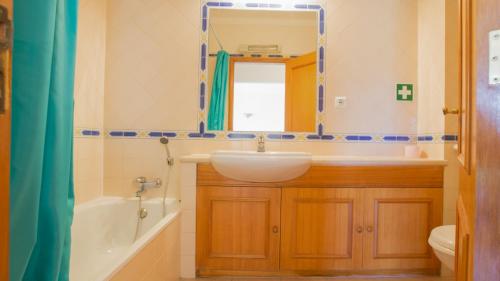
[[262, 70]]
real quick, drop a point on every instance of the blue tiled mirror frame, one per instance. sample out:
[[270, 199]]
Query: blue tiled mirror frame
[[206, 6]]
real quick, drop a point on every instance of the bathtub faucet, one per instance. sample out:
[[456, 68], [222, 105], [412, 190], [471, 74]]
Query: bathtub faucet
[[145, 185]]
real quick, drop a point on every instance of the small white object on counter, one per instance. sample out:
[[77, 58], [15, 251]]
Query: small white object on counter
[[413, 151]]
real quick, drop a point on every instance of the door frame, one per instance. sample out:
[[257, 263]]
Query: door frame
[[5, 125]]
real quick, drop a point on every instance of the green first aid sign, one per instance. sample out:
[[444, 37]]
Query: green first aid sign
[[404, 92]]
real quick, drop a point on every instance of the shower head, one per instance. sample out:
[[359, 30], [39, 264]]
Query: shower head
[[165, 141]]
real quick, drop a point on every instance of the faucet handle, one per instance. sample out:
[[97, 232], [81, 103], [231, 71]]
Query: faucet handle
[[158, 182], [140, 180]]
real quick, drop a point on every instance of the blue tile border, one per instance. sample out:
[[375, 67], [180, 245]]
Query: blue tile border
[[397, 138], [126, 134], [449, 138], [87, 133], [430, 138], [279, 136], [426, 138], [219, 4], [241, 136], [91, 133], [358, 138], [437, 138], [307, 6], [264, 5], [157, 134], [213, 55]]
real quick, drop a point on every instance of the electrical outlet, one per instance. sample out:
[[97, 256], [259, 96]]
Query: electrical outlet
[[340, 102]]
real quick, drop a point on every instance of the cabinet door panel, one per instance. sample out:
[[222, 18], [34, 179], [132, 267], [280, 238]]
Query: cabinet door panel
[[238, 228], [398, 223], [318, 229]]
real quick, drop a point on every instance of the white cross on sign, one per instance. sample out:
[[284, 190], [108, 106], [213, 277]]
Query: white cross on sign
[[405, 93]]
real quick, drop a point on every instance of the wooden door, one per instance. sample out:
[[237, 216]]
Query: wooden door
[[486, 228], [300, 110], [237, 229], [322, 229], [398, 223], [5, 119]]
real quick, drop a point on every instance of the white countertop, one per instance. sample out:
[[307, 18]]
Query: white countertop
[[338, 160]]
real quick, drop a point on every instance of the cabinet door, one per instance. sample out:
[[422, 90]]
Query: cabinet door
[[321, 229], [237, 229], [398, 223]]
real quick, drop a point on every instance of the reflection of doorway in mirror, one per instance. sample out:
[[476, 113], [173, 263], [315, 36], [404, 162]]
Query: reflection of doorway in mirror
[[259, 97], [273, 94], [301, 93]]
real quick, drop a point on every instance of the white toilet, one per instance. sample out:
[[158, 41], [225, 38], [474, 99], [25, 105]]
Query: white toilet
[[442, 240]]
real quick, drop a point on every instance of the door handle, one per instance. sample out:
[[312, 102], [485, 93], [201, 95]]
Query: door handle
[[359, 229], [453, 111], [369, 229]]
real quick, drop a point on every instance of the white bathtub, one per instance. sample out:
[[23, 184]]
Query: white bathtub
[[103, 234]]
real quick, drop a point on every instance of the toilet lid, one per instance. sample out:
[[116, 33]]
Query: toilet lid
[[444, 236]]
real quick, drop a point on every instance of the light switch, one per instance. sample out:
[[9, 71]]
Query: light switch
[[495, 57], [340, 102]]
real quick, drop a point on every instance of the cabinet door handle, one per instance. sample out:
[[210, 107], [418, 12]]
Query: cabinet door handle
[[359, 229], [275, 229], [369, 228]]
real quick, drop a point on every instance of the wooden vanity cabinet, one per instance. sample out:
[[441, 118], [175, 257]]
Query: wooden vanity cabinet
[[319, 224], [238, 229]]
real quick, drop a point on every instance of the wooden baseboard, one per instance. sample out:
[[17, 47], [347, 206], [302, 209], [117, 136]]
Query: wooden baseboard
[[225, 273]]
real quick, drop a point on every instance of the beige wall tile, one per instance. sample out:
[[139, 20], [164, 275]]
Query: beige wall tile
[[88, 168], [89, 98], [431, 76], [367, 54]]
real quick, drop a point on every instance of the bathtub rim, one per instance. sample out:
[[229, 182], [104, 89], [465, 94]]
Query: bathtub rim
[[138, 245]]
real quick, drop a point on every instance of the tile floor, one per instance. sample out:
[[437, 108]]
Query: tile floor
[[359, 278]]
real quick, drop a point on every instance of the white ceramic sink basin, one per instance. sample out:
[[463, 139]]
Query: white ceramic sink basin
[[261, 166]]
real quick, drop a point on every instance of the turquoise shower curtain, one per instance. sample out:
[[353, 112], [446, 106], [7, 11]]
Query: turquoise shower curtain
[[219, 93], [41, 179]]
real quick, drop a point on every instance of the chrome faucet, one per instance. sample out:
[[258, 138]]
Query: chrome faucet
[[145, 185], [261, 147]]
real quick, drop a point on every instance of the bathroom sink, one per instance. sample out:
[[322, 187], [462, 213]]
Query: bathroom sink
[[261, 166]]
